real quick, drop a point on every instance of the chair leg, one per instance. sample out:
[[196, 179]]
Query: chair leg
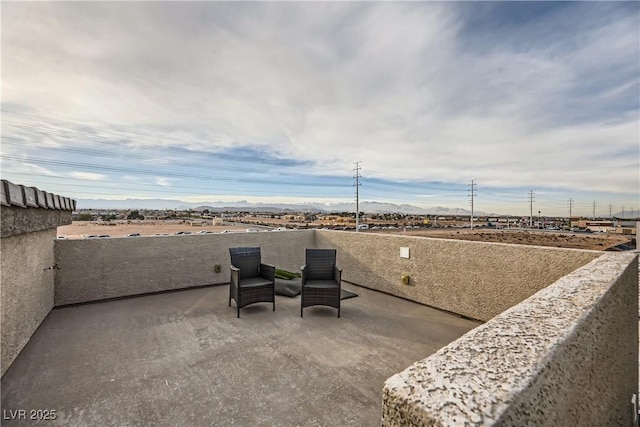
[[274, 305], [301, 311], [238, 311]]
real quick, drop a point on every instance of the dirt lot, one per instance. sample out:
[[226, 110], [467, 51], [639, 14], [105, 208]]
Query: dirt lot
[[596, 241], [82, 229]]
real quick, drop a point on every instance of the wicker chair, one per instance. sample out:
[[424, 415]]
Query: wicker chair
[[321, 279], [251, 280]]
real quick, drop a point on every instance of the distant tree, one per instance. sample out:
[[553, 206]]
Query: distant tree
[[85, 217], [135, 215]]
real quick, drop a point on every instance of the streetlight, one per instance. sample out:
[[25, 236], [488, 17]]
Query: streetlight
[[539, 220]]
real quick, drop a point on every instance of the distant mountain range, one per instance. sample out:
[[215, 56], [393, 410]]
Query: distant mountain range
[[367, 207]]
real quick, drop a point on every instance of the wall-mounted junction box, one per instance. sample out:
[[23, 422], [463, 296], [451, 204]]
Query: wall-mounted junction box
[[404, 252]]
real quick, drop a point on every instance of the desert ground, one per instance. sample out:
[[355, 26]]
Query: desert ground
[[581, 240], [595, 241], [82, 229]]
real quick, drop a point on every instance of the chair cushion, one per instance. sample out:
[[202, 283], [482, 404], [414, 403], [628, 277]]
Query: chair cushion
[[321, 284], [320, 263], [247, 260], [288, 288], [254, 282]]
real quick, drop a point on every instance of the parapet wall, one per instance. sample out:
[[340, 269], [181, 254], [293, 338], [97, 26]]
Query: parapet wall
[[29, 220], [566, 356], [474, 279], [96, 269]]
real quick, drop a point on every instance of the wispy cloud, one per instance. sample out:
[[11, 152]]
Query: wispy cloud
[[88, 176], [163, 182], [519, 95]]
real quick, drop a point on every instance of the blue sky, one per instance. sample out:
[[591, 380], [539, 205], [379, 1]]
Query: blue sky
[[275, 101]]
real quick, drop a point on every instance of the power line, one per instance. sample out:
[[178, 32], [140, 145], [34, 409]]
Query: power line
[[136, 186], [131, 156], [127, 143], [137, 171]]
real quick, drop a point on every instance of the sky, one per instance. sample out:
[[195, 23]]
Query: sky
[[535, 103]]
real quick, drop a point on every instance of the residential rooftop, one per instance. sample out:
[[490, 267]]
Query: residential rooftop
[[183, 358], [139, 331]]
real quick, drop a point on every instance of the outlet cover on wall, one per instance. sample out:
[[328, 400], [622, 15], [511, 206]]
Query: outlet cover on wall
[[404, 252]]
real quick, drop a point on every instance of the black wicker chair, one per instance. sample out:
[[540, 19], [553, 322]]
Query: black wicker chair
[[251, 280], [321, 279]]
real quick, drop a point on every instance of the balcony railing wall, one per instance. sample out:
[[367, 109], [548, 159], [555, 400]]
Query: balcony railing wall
[[30, 218], [567, 356], [561, 332], [474, 279], [97, 269]]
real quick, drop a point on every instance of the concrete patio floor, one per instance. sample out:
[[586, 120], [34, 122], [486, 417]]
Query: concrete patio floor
[[183, 359]]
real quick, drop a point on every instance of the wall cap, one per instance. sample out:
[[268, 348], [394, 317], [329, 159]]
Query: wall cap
[[32, 197]]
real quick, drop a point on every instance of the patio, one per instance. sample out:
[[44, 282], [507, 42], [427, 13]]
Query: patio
[[182, 358]]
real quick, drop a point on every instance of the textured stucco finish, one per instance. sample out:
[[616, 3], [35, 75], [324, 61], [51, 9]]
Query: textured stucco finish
[[474, 279], [565, 356], [26, 288], [95, 269], [17, 220]]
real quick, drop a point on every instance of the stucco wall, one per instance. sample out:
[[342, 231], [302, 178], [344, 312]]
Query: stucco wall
[[474, 279], [28, 222], [566, 356], [95, 269], [27, 288]]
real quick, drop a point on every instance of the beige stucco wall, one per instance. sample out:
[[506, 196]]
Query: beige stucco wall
[[474, 279], [27, 288], [95, 269], [566, 356]]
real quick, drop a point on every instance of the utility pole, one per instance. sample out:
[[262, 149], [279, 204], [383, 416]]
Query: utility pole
[[594, 209], [610, 215], [531, 195], [472, 193], [570, 209], [356, 184]]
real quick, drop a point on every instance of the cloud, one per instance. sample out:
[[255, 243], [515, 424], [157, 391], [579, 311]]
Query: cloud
[[163, 182], [88, 176], [543, 96]]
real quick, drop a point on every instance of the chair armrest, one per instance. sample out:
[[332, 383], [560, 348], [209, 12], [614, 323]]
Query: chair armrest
[[268, 271], [235, 275], [337, 275], [303, 274]]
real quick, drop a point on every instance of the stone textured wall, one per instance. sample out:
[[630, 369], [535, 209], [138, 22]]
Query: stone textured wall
[[27, 288], [96, 269], [29, 209], [29, 218], [474, 279], [566, 356]]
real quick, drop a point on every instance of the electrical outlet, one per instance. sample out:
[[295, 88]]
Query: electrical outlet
[[217, 268], [405, 279]]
